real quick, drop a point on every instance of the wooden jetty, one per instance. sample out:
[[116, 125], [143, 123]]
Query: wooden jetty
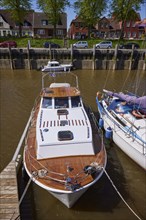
[[9, 201], [9, 195]]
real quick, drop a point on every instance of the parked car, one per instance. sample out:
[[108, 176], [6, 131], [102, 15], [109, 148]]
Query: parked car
[[129, 45], [81, 44], [104, 45], [53, 45], [8, 44]]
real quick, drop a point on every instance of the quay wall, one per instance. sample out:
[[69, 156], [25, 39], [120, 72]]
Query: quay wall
[[101, 59]]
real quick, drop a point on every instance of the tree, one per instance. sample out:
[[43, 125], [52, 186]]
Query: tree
[[53, 9], [90, 11], [18, 10], [124, 10]]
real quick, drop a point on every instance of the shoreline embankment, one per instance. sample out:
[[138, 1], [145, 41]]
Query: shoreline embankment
[[91, 58]]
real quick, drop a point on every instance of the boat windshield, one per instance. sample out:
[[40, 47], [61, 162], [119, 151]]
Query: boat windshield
[[61, 102], [75, 101], [47, 103], [54, 64]]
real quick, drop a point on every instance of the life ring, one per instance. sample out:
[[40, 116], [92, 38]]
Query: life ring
[[138, 114]]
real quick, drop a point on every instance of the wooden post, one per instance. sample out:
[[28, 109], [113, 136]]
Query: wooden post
[[50, 52], [71, 53], [115, 57], [93, 60], [130, 66], [28, 52], [11, 60]]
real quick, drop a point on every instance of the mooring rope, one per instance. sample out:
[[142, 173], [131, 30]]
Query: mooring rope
[[120, 194]]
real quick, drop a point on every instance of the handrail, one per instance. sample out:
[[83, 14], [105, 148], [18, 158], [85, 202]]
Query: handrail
[[53, 74]]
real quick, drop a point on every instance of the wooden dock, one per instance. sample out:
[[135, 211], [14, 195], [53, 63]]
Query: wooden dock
[[9, 202]]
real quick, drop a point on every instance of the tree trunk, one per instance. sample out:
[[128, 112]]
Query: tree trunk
[[54, 31], [20, 30], [122, 31]]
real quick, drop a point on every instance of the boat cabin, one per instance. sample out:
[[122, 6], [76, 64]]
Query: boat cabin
[[63, 127]]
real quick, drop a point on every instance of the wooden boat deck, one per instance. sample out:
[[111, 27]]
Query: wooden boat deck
[[57, 168], [9, 207], [60, 92]]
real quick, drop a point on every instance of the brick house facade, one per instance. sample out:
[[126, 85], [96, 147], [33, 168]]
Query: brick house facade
[[78, 29], [106, 28]]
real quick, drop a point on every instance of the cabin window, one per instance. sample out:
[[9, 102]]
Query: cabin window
[[65, 135], [47, 103], [61, 103], [75, 101]]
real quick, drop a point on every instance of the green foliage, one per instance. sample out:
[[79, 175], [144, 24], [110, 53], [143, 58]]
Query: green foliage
[[18, 10], [90, 11], [53, 9], [124, 10]]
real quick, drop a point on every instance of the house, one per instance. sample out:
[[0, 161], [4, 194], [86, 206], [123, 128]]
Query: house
[[9, 27], [34, 24], [43, 27], [106, 28], [78, 29]]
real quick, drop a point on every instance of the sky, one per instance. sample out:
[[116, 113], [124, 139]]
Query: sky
[[71, 15]]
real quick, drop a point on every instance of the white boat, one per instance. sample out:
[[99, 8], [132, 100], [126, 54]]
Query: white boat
[[124, 119], [55, 66], [64, 152]]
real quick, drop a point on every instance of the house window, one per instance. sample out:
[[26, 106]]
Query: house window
[[44, 22], [60, 32], [59, 22], [4, 33], [133, 34], [128, 24], [1, 24], [133, 23], [81, 25], [128, 34], [76, 24], [41, 31]]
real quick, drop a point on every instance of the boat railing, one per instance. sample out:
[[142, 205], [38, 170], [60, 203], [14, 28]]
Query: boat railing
[[128, 130], [54, 74], [70, 182]]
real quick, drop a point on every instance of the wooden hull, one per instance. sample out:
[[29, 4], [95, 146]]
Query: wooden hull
[[67, 197]]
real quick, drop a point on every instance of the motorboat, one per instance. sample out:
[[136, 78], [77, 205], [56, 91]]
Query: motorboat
[[55, 66], [123, 116], [64, 148]]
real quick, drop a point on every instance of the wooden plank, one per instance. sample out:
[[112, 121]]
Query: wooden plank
[[9, 203]]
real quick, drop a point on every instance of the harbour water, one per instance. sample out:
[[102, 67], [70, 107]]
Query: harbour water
[[19, 88]]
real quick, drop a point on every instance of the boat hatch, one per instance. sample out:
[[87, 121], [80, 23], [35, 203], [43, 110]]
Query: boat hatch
[[62, 112], [63, 122], [65, 135]]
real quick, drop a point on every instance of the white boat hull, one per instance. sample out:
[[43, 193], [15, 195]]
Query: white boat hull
[[69, 199], [56, 69], [125, 143]]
